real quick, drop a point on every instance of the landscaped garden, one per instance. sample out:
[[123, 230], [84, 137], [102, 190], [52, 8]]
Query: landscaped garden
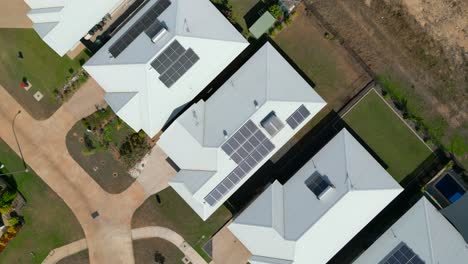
[[107, 148], [28, 65], [47, 222], [168, 209], [386, 134]]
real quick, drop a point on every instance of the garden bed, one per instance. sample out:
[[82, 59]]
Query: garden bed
[[106, 148]]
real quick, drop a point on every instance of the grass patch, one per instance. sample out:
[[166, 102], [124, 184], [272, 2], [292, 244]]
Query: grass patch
[[40, 65], [49, 223], [387, 135], [335, 75], [173, 212]]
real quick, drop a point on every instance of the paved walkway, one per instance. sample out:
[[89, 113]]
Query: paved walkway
[[138, 233], [44, 149]]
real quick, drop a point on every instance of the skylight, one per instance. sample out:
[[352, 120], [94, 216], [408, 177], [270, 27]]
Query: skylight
[[318, 184], [272, 124]]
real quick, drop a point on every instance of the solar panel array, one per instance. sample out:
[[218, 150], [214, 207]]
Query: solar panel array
[[402, 254], [298, 117], [145, 22], [174, 62], [317, 184], [247, 147]]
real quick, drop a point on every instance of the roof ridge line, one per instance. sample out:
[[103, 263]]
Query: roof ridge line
[[207, 38], [428, 229]]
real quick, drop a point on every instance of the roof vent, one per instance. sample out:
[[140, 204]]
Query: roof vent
[[255, 104], [318, 184], [225, 133]]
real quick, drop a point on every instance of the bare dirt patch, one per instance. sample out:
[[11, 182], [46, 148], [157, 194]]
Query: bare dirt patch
[[336, 75], [400, 40]]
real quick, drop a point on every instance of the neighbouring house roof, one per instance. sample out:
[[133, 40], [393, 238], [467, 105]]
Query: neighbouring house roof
[[426, 232], [137, 89], [62, 23], [266, 89], [262, 24], [296, 223], [457, 213]]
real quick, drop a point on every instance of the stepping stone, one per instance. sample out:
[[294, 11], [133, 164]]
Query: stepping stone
[[38, 96]]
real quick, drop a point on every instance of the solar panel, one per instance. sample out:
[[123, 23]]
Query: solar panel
[[179, 68], [402, 254], [317, 184], [146, 21], [154, 29], [298, 117], [165, 59], [247, 147]]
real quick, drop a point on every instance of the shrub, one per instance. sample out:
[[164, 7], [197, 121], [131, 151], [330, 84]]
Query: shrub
[[5, 208], [13, 221], [276, 11], [279, 27], [8, 196]]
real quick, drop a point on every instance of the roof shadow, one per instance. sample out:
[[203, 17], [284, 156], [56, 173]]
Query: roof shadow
[[255, 13]]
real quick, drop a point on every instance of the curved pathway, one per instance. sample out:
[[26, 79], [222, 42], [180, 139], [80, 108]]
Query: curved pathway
[[43, 145], [138, 233]]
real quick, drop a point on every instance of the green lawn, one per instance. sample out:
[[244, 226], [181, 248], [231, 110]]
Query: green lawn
[[49, 223], [387, 135], [176, 214], [45, 69]]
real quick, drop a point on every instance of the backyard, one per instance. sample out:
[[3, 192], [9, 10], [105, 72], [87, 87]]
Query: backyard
[[106, 148], [386, 134], [168, 209], [24, 57], [48, 222]]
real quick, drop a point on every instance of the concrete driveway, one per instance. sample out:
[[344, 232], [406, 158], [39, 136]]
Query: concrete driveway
[[13, 14], [227, 249], [108, 236]]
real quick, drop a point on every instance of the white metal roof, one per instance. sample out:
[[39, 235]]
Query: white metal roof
[[62, 23], [265, 83], [132, 85], [425, 231], [289, 223]]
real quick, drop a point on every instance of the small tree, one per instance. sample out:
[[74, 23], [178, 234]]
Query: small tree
[[159, 258]]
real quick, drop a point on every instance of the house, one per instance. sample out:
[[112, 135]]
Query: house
[[319, 209], [421, 235], [61, 24], [162, 58], [218, 144]]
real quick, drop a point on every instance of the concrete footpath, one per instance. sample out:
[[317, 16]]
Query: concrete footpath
[[138, 233]]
